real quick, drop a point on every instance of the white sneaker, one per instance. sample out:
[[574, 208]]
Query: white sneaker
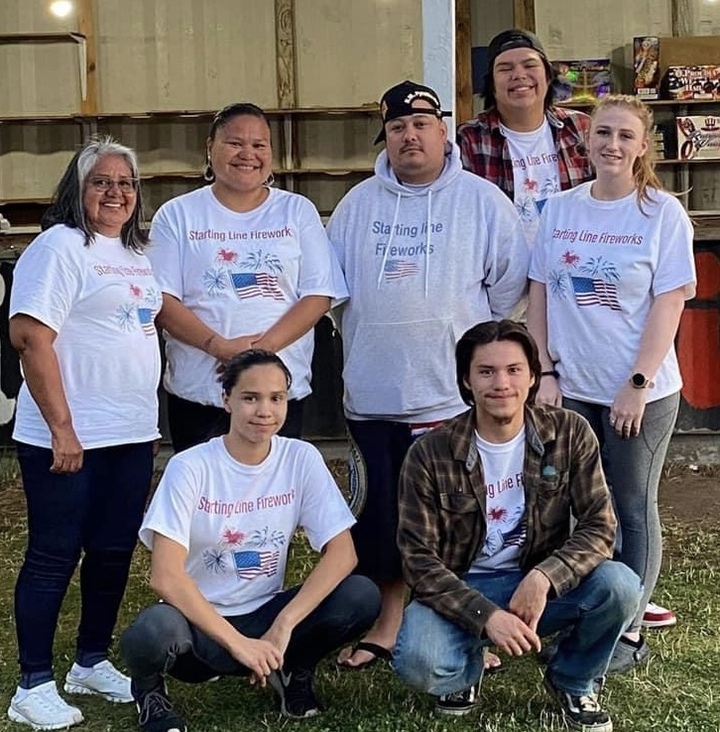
[[657, 616], [43, 708], [104, 680]]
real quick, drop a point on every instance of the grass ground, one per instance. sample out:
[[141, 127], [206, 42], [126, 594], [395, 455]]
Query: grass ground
[[677, 691]]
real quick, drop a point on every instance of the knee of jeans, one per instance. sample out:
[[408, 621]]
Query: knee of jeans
[[51, 566], [156, 630], [624, 587], [360, 596], [419, 669]]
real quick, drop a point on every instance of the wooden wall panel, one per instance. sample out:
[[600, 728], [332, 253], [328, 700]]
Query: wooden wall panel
[[335, 142], [349, 52], [185, 54], [34, 156], [604, 29]]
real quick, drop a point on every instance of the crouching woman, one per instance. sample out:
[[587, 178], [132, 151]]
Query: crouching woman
[[219, 528]]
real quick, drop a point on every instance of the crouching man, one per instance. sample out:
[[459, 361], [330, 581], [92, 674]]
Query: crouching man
[[486, 502]]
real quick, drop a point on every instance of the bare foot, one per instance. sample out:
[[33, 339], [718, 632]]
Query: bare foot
[[362, 654]]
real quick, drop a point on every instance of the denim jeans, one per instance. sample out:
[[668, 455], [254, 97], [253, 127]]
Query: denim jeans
[[161, 640], [96, 511], [633, 468], [437, 656]]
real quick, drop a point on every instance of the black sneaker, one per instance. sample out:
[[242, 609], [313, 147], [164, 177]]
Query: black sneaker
[[580, 712], [297, 699], [156, 711], [459, 703]]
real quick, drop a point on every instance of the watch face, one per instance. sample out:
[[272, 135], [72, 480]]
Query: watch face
[[639, 380]]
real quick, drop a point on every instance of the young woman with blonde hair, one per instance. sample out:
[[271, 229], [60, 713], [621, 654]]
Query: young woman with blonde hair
[[612, 267]]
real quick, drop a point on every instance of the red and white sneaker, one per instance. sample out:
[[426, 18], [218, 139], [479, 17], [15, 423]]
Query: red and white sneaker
[[657, 616]]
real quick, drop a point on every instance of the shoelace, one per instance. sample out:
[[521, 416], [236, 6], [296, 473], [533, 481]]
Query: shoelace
[[587, 703], [154, 704]]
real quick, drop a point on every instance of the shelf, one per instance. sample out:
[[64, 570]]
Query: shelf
[[650, 102], [367, 109], [6, 38], [681, 161]]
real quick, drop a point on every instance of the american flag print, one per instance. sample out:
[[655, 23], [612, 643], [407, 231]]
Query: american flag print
[[589, 291], [146, 316], [249, 564], [398, 268], [256, 284]]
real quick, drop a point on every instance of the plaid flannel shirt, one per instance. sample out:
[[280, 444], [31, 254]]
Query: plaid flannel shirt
[[484, 148], [442, 504]]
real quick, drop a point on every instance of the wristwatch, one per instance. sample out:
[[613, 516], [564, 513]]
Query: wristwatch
[[640, 381]]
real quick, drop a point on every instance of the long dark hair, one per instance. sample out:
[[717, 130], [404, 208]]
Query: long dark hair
[[67, 203], [489, 332]]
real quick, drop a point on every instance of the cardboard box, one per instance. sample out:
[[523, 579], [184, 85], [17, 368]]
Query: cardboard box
[[582, 80], [646, 55], [698, 137], [692, 82]]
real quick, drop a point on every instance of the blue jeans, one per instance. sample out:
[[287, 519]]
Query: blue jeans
[[96, 511], [633, 468], [437, 656], [162, 641]]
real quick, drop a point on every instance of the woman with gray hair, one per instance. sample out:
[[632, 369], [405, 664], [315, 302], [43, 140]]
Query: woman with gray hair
[[82, 311]]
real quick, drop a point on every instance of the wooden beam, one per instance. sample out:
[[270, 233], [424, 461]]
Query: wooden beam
[[463, 62], [681, 15], [86, 26], [524, 14], [285, 53]]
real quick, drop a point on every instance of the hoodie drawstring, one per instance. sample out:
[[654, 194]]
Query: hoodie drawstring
[[386, 253]]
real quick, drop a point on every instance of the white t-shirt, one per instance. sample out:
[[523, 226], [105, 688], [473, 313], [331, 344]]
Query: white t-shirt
[[240, 273], [603, 264], [236, 521], [535, 172], [503, 466], [101, 300]]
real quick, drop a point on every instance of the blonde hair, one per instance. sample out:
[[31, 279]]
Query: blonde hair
[[644, 165]]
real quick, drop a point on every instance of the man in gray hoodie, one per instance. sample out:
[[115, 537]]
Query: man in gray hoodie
[[428, 250]]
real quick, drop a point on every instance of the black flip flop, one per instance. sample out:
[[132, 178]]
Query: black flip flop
[[379, 654]]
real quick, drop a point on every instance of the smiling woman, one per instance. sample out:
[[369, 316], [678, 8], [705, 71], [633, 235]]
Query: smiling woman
[[241, 265], [82, 313]]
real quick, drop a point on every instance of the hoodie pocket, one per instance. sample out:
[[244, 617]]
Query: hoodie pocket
[[394, 369]]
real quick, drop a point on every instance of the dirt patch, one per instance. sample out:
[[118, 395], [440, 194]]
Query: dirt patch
[[690, 495]]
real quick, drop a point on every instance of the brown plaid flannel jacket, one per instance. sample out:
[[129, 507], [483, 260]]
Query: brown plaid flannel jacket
[[442, 510]]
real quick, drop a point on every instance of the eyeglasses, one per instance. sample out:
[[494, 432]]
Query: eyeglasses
[[126, 185]]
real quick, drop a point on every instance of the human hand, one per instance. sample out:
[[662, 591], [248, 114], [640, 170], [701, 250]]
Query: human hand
[[627, 411], [279, 635], [511, 634], [259, 655], [67, 451], [530, 598], [223, 349], [549, 392]]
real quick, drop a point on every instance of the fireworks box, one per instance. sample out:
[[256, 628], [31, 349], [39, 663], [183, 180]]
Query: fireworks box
[[698, 137], [582, 80], [646, 63], [692, 82]]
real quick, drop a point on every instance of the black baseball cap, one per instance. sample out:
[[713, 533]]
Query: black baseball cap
[[398, 102], [513, 38], [504, 41]]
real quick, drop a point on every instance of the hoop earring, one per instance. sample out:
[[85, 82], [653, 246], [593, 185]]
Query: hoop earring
[[208, 173], [270, 181]]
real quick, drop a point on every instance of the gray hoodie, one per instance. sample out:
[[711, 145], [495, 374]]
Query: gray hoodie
[[423, 264]]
